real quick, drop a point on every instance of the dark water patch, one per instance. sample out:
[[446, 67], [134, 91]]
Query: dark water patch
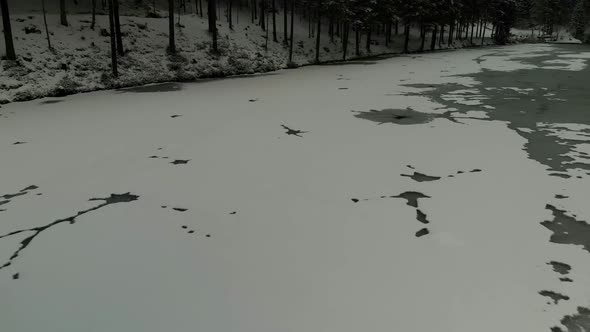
[[233, 212], [191, 231], [565, 279], [398, 116], [522, 108], [37, 231], [162, 87], [559, 267], [354, 200], [46, 102], [179, 209], [477, 170], [421, 217], [253, 100], [566, 229], [419, 177], [422, 232], [348, 63], [19, 143], [16, 276], [184, 226], [208, 235], [342, 88], [180, 162], [411, 197], [154, 157], [560, 175], [578, 322], [293, 132], [175, 116], [556, 297], [561, 196]]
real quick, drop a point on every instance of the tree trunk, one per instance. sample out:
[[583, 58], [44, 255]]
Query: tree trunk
[[285, 33], [345, 30], [357, 41], [274, 21], [113, 41], [317, 40], [396, 27], [422, 37], [45, 23], [407, 38], [483, 35], [120, 49], [10, 54], [451, 32], [201, 8], [62, 13], [433, 38], [292, 35], [472, 31], [229, 14], [171, 41], [368, 44], [441, 38], [93, 15], [262, 15], [211, 15]]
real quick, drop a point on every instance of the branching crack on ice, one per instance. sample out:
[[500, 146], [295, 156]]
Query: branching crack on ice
[[36, 231]]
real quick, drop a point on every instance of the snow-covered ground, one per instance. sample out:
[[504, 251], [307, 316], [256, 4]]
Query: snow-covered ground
[[80, 60], [269, 203]]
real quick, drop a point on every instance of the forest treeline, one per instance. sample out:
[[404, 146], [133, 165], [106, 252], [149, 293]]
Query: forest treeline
[[346, 21]]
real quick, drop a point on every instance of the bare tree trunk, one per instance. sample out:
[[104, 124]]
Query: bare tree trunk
[[368, 44], [171, 41], [113, 41], [45, 23], [230, 5], [345, 30], [285, 34], [274, 21], [62, 13], [407, 38], [212, 14], [263, 15], [433, 38], [483, 35], [120, 49], [441, 38], [93, 15], [201, 8], [292, 35], [357, 41], [317, 41], [10, 54]]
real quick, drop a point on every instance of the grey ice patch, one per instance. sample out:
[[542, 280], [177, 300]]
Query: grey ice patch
[[411, 197]]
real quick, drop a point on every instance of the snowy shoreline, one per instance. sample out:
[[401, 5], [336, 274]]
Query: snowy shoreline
[[80, 59]]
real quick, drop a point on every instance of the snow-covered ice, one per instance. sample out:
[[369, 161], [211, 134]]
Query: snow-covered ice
[[279, 215]]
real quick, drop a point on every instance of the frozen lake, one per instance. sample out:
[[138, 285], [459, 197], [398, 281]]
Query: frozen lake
[[436, 192]]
